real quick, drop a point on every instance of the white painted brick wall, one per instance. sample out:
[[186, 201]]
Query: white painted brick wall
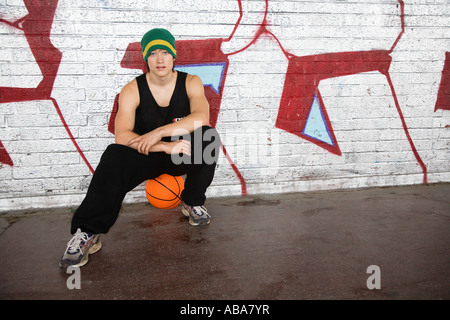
[[93, 36]]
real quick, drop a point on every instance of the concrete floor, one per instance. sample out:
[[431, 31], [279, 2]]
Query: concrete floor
[[315, 245]]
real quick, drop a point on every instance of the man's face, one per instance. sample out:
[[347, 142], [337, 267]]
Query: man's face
[[160, 62]]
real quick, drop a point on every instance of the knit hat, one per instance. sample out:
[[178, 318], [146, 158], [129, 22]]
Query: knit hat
[[158, 38]]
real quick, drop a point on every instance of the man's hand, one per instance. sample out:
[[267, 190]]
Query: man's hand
[[145, 142], [180, 146], [151, 142]]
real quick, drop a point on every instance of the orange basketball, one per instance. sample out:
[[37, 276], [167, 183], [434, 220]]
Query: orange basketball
[[164, 192]]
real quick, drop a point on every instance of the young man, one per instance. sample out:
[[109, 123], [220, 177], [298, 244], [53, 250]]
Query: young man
[[162, 126]]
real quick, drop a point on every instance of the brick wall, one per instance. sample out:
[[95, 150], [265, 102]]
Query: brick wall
[[306, 95]]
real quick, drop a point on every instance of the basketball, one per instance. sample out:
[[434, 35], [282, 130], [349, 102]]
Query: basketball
[[164, 191]]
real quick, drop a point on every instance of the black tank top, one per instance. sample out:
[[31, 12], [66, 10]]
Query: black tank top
[[149, 115]]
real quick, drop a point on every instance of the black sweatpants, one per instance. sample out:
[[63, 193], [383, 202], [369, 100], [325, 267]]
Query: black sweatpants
[[122, 168]]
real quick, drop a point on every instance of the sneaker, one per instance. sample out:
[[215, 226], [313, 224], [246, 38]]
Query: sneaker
[[78, 249], [198, 215]]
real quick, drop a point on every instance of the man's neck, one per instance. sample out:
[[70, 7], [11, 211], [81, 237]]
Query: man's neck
[[161, 81]]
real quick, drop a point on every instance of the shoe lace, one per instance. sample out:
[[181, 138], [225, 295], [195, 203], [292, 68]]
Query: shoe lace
[[74, 244], [199, 210]]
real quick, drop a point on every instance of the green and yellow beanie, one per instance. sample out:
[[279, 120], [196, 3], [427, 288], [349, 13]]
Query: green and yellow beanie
[[158, 38]]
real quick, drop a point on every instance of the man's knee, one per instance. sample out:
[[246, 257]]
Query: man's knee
[[116, 152]]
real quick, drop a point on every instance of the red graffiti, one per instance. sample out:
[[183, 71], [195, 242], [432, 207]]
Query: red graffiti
[[4, 156], [443, 99], [36, 26], [300, 93], [302, 86]]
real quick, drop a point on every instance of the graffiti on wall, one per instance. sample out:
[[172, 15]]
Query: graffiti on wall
[[443, 99], [302, 111], [36, 27]]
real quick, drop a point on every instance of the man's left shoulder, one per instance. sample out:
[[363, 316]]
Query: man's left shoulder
[[193, 81], [192, 77]]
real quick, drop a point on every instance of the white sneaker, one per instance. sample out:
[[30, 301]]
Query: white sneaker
[[79, 248], [198, 215]]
